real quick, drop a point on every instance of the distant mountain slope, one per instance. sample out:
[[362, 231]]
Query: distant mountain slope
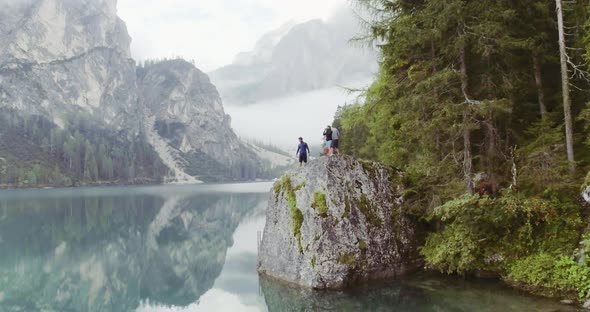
[[75, 109], [304, 57], [189, 116]]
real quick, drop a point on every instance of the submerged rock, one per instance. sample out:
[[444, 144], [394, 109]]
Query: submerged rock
[[337, 222]]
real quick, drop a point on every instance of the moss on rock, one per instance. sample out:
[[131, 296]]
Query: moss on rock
[[320, 204], [362, 245], [345, 258], [367, 209], [285, 185]]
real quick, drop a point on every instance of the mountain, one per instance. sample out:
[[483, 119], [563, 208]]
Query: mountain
[[62, 57], [75, 110], [297, 58], [185, 111]]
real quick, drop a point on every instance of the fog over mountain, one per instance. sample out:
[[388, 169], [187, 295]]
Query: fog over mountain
[[298, 58]]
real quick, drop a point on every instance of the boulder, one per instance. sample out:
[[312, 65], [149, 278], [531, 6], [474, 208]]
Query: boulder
[[338, 222]]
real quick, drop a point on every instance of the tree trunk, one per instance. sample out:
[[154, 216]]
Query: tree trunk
[[567, 109], [467, 158], [539, 84]]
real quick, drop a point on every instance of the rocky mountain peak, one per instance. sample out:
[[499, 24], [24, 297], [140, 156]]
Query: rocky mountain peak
[[46, 31]]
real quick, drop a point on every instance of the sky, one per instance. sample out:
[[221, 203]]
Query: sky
[[211, 32]]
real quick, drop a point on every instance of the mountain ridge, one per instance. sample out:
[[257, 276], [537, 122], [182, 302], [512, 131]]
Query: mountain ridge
[[69, 87]]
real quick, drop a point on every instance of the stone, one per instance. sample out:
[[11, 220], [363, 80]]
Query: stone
[[338, 222], [587, 305], [567, 301]]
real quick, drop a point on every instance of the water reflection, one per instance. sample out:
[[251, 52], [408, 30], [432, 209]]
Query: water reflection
[[110, 249], [187, 248], [420, 292]]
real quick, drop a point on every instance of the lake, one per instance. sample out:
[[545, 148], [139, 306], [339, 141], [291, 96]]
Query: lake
[[185, 248]]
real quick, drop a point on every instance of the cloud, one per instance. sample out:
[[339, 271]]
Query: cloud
[[210, 32], [281, 121]]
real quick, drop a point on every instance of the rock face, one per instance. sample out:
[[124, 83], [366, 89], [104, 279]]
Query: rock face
[[64, 57], [336, 222], [189, 116]]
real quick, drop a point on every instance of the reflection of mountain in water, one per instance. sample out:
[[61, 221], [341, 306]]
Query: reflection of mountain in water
[[109, 253]]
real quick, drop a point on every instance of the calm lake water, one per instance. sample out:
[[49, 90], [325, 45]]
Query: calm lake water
[[184, 248]]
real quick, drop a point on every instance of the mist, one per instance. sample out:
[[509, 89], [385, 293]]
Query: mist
[[282, 121]]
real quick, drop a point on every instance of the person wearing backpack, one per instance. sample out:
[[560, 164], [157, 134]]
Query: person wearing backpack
[[335, 141]]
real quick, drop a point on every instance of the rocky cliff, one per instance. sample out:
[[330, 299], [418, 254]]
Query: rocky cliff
[[76, 111], [64, 57], [188, 114], [336, 222]]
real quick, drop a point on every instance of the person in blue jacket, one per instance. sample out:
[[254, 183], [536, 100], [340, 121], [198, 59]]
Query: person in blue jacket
[[302, 152]]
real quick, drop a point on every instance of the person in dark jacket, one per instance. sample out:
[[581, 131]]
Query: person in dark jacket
[[302, 152], [328, 138]]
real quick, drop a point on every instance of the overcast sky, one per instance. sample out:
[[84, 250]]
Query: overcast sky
[[211, 32]]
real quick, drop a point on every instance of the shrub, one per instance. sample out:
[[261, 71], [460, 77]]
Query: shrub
[[551, 275], [485, 233]]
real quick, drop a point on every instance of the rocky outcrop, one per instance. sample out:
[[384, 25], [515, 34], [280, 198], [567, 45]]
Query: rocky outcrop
[[336, 222]]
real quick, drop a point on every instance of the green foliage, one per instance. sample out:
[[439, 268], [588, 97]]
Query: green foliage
[[320, 204], [583, 251], [286, 187], [35, 152], [478, 229], [442, 126], [551, 275], [468, 100]]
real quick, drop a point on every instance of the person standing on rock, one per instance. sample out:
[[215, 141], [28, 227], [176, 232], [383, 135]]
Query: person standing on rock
[[302, 152], [328, 138], [335, 141]]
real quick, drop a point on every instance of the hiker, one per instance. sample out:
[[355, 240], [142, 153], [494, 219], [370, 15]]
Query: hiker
[[302, 151], [335, 141], [328, 138]]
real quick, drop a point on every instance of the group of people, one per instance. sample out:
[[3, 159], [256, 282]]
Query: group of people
[[331, 144]]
